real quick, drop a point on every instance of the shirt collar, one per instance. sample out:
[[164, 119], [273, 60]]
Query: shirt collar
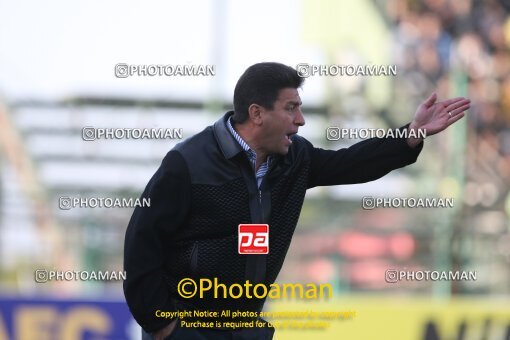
[[251, 153], [238, 138]]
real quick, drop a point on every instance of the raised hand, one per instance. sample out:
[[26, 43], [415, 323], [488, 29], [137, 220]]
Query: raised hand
[[434, 117]]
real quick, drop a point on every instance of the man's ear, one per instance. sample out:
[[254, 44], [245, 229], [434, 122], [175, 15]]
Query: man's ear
[[255, 114]]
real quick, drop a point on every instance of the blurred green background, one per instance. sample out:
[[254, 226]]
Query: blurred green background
[[57, 75]]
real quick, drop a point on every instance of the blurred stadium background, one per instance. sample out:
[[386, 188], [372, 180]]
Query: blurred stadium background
[[57, 75]]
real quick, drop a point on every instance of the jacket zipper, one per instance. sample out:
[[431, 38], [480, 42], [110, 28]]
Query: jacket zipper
[[194, 259], [261, 206]]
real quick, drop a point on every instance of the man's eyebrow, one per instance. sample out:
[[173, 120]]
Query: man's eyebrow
[[293, 102]]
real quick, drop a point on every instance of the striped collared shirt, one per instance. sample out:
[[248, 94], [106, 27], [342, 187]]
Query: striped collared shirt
[[252, 156]]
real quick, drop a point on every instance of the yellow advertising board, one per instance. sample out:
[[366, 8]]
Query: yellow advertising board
[[393, 318]]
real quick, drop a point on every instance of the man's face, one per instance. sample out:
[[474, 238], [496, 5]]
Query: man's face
[[280, 123]]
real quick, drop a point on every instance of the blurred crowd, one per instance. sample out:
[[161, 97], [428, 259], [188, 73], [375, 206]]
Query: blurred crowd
[[440, 43], [461, 47], [456, 48]]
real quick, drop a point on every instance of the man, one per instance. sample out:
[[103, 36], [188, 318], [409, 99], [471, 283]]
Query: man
[[249, 167]]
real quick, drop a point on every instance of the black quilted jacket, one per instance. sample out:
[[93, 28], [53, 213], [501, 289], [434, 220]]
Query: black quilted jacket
[[204, 188]]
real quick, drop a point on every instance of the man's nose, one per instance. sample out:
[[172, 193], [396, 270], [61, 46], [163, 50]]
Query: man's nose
[[299, 119]]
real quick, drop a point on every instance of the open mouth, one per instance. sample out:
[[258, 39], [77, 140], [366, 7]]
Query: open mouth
[[289, 136]]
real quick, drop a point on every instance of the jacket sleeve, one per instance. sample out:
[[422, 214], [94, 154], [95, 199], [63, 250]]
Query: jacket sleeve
[[148, 235], [365, 161]]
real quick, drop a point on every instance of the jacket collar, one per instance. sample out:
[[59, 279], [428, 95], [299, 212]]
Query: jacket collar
[[228, 145]]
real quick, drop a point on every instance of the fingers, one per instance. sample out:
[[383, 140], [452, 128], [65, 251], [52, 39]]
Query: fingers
[[458, 104], [454, 106], [459, 109], [453, 119], [452, 101], [430, 100]]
